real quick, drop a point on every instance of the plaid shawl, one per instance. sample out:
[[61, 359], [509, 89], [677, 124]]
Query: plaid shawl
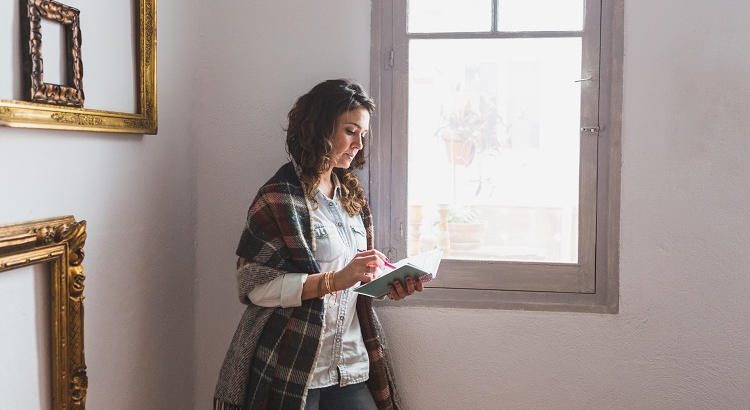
[[270, 360]]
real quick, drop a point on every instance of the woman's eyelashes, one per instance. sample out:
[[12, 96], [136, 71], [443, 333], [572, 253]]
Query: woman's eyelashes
[[362, 137]]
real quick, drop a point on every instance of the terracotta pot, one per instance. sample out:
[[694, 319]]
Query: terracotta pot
[[460, 150]]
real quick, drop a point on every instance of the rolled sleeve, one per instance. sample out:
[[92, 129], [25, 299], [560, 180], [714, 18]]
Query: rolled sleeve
[[284, 291], [291, 289]]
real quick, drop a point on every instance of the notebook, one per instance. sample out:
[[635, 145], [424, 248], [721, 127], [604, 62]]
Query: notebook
[[423, 265]]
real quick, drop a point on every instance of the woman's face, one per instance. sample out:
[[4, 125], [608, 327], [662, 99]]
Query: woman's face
[[351, 127]]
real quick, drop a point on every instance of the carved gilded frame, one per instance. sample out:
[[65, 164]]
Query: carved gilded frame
[[58, 242], [14, 113], [34, 87]]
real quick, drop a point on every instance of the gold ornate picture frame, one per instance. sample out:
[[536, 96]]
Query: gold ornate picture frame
[[26, 114], [34, 87], [59, 243]]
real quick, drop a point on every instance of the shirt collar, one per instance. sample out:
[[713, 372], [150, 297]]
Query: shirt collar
[[336, 188]]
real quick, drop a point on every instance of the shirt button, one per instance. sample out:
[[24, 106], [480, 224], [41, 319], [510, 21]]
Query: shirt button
[[331, 204], [340, 224], [341, 318]]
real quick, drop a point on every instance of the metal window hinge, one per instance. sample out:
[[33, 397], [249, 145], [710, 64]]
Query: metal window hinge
[[592, 130], [401, 229], [391, 57]]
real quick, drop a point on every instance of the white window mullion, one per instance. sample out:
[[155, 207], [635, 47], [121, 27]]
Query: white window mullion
[[494, 15]]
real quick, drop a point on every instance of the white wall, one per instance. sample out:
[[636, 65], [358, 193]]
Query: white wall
[[136, 192], [258, 58], [680, 340], [682, 335]]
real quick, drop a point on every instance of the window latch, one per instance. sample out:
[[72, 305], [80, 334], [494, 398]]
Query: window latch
[[592, 130]]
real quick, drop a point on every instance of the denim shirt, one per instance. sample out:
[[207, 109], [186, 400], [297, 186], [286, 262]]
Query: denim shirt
[[342, 358], [342, 351]]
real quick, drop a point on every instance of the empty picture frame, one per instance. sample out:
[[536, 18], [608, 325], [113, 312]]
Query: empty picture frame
[[34, 87], [58, 242], [29, 114]]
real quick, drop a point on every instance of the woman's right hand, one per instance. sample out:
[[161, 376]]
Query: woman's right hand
[[360, 269]]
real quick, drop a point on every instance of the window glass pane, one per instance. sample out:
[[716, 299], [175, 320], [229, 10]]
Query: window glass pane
[[436, 16], [540, 15], [494, 128]]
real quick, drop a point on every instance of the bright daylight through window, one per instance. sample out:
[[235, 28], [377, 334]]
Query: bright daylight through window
[[499, 151], [496, 122]]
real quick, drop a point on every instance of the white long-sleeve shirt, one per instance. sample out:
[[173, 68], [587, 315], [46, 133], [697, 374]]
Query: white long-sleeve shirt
[[337, 238]]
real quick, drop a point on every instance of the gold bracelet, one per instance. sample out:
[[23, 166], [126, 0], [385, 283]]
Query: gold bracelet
[[321, 294], [333, 281], [328, 282]]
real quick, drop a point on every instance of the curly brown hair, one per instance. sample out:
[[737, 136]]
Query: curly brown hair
[[309, 138]]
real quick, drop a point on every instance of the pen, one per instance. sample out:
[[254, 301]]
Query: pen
[[386, 263]]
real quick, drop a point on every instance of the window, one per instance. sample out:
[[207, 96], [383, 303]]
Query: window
[[497, 141]]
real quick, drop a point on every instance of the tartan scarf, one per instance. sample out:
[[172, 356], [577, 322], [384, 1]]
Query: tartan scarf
[[270, 360]]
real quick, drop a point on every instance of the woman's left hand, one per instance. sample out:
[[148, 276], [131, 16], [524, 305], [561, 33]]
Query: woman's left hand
[[398, 291]]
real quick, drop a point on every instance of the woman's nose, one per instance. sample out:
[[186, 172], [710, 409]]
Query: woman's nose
[[358, 141]]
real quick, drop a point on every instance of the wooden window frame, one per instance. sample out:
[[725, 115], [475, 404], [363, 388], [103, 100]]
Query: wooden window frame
[[592, 285]]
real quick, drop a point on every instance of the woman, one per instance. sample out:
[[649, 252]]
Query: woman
[[306, 340]]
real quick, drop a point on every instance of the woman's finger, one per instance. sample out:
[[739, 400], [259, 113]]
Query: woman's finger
[[400, 291], [419, 285], [392, 293], [381, 255], [368, 252], [409, 285], [373, 260]]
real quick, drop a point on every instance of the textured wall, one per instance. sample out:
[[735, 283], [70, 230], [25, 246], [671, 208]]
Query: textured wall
[[136, 194]]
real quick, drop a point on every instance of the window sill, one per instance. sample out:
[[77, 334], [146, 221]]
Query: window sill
[[508, 300]]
